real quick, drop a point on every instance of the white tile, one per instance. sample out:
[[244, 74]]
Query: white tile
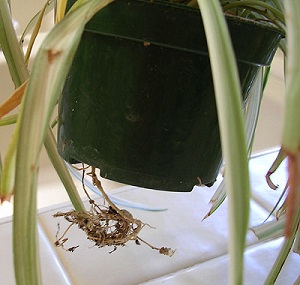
[[6, 209], [6, 261], [258, 262], [52, 273], [180, 227]]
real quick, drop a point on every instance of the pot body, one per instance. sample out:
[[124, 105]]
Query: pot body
[[139, 102]]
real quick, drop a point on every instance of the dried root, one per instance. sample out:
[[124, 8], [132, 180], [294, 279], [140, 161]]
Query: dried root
[[105, 226]]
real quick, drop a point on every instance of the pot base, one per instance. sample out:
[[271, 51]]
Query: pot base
[[139, 100]]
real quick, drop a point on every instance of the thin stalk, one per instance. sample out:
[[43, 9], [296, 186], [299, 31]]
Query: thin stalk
[[35, 31], [116, 200], [62, 171], [60, 9], [278, 4], [284, 252], [229, 106], [34, 20], [256, 4], [296, 247], [282, 208], [257, 10], [297, 282], [10, 46]]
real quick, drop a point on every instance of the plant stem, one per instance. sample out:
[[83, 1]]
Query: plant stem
[[256, 4], [296, 247], [278, 4], [284, 252], [62, 171]]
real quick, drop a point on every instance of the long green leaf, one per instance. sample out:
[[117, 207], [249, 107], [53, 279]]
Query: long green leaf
[[48, 75], [10, 46], [270, 230], [19, 74], [228, 99], [291, 132], [251, 118], [6, 186]]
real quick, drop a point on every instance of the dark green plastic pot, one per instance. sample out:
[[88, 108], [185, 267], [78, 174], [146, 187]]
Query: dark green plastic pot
[[139, 102]]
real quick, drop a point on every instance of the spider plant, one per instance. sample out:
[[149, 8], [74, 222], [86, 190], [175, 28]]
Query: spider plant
[[44, 84]]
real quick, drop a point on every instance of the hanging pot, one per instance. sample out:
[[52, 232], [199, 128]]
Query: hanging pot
[[139, 101]]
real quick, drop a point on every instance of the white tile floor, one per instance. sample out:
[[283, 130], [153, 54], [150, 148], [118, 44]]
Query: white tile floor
[[201, 247], [258, 261]]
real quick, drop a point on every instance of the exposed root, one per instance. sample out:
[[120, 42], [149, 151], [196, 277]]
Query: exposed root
[[105, 225]]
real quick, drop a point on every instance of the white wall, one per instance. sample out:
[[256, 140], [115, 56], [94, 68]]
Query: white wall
[[22, 14]]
